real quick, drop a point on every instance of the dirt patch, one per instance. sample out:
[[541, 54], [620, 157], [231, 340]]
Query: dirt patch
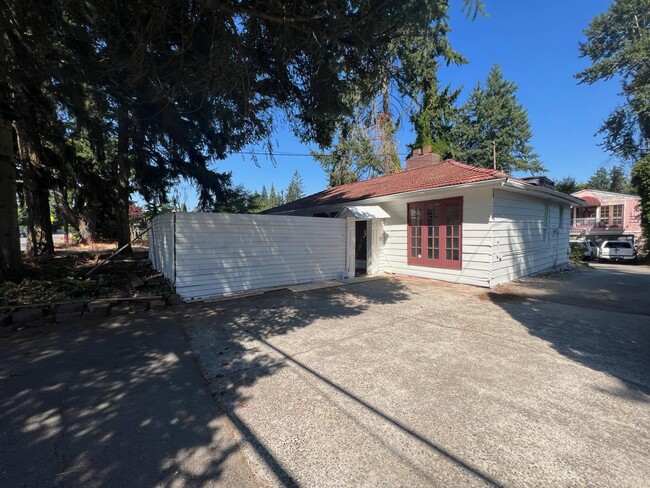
[[62, 277]]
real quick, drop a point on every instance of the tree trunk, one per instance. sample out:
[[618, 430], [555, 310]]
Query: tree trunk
[[69, 215], [10, 262], [388, 147], [37, 200], [123, 173], [85, 221], [88, 226]]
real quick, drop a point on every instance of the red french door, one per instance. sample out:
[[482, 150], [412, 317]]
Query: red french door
[[435, 233]]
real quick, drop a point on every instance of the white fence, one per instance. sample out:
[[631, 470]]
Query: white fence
[[161, 244], [209, 255]]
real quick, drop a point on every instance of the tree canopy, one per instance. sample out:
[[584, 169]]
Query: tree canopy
[[494, 120], [600, 180], [296, 189], [618, 45], [365, 141], [111, 97]]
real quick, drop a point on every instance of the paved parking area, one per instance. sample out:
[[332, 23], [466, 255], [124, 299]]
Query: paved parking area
[[119, 403], [617, 287], [404, 382]]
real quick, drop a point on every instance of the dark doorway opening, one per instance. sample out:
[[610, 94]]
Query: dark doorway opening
[[361, 248]]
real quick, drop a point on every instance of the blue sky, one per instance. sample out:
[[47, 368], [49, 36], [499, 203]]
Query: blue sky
[[536, 45]]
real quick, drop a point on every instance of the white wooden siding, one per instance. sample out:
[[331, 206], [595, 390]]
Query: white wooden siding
[[223, 254], [503, 238], [476, 241], [161, 245], [522, 243]]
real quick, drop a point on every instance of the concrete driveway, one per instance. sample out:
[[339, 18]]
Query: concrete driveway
[[604, 286], [405, 382], [114, 404]]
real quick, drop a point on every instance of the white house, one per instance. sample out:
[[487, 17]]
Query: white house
[[447, 221], [436, 219]]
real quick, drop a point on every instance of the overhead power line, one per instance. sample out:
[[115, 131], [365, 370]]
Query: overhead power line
[[274, 154]]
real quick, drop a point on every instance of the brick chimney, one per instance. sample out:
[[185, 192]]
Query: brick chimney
[[421, 157]]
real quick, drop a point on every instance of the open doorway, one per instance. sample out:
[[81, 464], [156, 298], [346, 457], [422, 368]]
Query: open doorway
[[361, 248]]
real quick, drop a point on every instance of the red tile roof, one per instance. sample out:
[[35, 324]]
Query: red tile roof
[[445, 173]]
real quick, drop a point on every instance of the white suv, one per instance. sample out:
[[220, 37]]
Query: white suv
[[617, 251]]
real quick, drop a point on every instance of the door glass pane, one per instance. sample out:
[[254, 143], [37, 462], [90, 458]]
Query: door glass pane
[[434, 230], [432, 242], [436, 213], [452, 213]]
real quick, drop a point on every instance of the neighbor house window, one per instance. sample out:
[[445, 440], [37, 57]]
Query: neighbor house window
[[604, 217], [561, 217], [617, 215], [434, 233]]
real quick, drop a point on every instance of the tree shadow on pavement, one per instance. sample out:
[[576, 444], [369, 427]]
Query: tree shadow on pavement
[[613, 343], [113, 404], [236, 342], [623, 288]]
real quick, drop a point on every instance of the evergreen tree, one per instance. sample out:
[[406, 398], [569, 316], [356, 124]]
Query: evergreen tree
[[241, 201], [274, 199], [618, 45], [641, 182], [434, 121], [619, 182], [353, 157], [569, 185], [295, 189], [493, 118], [263, 200], [365, 141], [600, 180], [164, 97]]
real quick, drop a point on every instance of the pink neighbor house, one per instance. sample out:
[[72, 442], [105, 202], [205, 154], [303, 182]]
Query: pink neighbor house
[[606, 216]]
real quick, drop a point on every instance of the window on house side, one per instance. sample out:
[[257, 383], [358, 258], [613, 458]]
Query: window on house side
[[617, 215], [604, 217], [434, 231], [561, 217]]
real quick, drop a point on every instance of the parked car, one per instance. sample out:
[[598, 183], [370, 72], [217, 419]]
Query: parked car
[[588, 249], [617, 251]]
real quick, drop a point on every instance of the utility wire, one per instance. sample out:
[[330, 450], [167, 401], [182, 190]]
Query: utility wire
[[258, 153]]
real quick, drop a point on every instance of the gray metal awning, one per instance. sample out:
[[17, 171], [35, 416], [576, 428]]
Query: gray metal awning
[[364, 212]]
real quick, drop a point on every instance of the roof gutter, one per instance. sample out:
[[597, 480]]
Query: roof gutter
[[518, 187]]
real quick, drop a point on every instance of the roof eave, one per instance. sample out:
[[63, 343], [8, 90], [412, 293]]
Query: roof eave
[[548, 193], [476, 184]]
